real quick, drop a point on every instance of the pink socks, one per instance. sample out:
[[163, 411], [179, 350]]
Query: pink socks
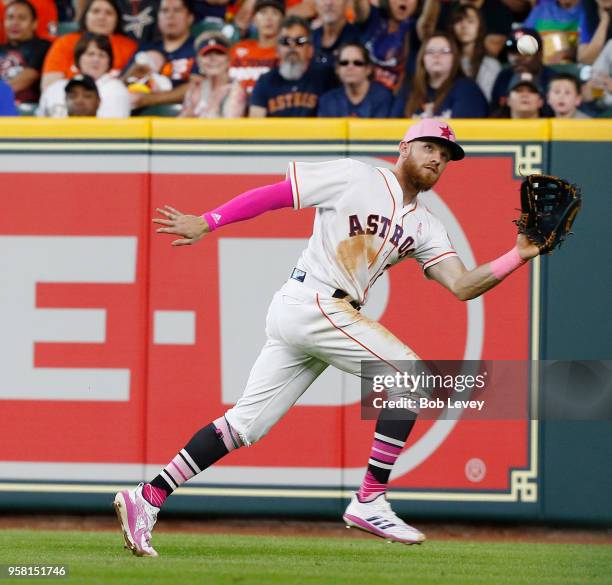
[[385, 451]]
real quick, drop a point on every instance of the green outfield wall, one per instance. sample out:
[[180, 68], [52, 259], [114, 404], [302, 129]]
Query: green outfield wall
[[577, 324]]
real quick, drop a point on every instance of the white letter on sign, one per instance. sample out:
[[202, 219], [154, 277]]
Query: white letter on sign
[[26, 260]]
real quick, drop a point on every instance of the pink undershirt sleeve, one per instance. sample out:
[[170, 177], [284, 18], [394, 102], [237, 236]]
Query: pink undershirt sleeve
[[251, 204], [504, 265]]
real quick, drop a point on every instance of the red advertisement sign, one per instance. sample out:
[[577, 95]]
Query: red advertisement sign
[[119, 347]]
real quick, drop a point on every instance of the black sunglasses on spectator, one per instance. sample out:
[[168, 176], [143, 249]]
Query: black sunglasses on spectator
[[356, 62], [293, 41]]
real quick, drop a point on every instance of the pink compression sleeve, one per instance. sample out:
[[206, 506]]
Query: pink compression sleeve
[[506, 264], [251, 204]]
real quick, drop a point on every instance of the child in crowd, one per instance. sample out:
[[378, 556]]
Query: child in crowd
[[564, 96]]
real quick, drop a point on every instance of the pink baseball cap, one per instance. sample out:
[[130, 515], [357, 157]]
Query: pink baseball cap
[[438, 131]]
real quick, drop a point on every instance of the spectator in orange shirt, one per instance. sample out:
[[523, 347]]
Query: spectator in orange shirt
[[46, 11], [94, 58], [252, 58], [100, 17]]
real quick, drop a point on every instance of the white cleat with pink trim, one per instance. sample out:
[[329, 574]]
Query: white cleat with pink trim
[[137, 518], [377, 517]]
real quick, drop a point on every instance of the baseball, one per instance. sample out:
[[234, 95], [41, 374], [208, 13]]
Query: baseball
[[527, 45]]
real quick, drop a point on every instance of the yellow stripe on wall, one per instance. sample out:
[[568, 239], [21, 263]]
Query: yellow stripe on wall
[[93, 128], [256, 129], [298, 129], [595, 130], [486, 130]]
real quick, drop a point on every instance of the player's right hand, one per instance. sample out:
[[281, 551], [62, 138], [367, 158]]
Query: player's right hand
[[192, 228]]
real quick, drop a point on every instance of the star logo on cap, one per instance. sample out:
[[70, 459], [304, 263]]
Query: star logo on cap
[[446, 132]]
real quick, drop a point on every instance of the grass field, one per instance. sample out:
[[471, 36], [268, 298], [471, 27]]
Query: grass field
[[98, 557]]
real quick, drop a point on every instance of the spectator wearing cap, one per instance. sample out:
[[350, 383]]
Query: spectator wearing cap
[[21, 58], [525, 99], [358, 96], [7, 100], [293, 88], [520, 64], [558, 22], [564, 97], [468, 29], [82, 97], [251, 58], [100, 17], [595, 30], [334, 32], [177, 47], [214, 95], [439, 87], [93, 55]]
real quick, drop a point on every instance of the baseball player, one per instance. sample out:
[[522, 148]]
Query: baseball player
[[368, 219]]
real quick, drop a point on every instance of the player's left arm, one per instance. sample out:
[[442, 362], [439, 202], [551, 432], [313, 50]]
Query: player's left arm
[[468, 284]]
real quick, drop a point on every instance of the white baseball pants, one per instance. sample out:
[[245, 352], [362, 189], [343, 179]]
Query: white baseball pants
[[307, 331]]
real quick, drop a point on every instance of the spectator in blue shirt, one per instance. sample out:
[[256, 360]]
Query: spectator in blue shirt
[[358, 97], [334, 31], [439, 87], [595, 31], [177, 47], [557, 21], [389, 32], [293, 88], [139, 18], [7, 100]]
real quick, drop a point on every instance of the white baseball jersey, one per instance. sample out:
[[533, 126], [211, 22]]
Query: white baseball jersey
[[361, 229], [361, 226]]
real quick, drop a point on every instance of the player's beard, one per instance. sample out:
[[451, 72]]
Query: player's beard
[[420, 178]]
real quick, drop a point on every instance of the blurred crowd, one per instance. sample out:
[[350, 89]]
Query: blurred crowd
[[305, 58]]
